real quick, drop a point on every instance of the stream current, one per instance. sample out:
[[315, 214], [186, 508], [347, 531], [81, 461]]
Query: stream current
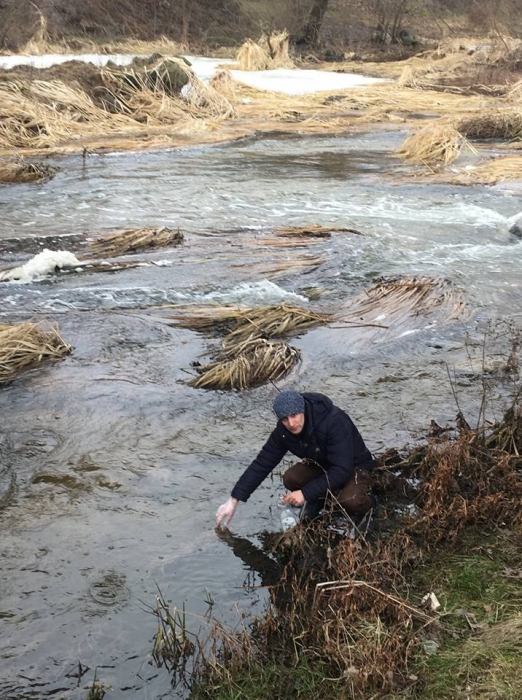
[[112, 468]]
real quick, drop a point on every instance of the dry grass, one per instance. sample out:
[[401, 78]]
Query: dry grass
[[396, 300], [502, 169], [18, 170], [504, 124], [248, 364], [26, 345], [41, 114], [278, 44], [40, 41], [438, 143], [224, 84], [155, 104], [253, 57], [239, 325], [133, 240], [312, 231], [515, 92], [422, 73], [270, 52]]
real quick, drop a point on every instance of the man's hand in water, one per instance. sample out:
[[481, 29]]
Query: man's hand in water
[[294, 498], [225, 512]]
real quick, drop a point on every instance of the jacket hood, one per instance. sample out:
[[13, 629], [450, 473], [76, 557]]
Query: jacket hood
[[317, 407]]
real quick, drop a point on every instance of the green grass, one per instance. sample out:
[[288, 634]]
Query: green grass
[[480, 654], [274, 680]]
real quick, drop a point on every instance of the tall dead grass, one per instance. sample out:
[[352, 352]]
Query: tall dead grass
[[271, 51], [40, 114]]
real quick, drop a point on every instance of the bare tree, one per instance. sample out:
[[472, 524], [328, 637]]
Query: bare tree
[[312, 28]]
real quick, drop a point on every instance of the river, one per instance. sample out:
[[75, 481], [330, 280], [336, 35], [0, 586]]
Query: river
[[117, 467]]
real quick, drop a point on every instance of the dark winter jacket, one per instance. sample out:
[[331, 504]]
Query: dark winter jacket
[[329, 438]]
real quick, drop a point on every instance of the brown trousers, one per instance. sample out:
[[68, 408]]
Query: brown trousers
[[355, 497]]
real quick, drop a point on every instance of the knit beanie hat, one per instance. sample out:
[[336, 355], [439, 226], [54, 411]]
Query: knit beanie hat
[[287, 403]]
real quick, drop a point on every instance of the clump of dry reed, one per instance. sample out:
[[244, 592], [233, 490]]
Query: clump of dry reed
[[133, 240], [155, 104], [18, 170], [438, 143], [247, 357], [271, 51], [241, 324], [223, 83], [40, 114], [25, 345], [252, 57], [395, 300], [492, 124], [40, 41], [278, 44], [248, 364]]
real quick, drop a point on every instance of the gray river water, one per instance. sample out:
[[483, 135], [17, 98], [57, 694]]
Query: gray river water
[[113, 467]]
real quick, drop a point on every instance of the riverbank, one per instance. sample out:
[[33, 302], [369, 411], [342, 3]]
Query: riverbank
[[76, 107], [425, 606]]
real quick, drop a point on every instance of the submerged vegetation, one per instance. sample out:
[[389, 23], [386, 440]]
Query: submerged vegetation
[[18, 170], [248, 356]]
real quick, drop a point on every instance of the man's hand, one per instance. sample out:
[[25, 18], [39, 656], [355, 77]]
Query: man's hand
[[294, 498], [225, 512]]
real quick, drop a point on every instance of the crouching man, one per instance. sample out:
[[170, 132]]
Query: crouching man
[[334, 459]]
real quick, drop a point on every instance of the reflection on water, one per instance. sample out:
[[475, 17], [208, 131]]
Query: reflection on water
[[120, 466]]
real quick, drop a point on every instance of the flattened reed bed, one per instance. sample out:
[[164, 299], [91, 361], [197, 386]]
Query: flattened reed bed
[[13, 171], [312, 231], [393, 306], [241, 324], [133, 240], [248, 364], [26, 345]]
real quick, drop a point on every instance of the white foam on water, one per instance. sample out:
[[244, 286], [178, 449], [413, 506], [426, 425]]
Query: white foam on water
[[42, 264], [457, 212], [262, 292]]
